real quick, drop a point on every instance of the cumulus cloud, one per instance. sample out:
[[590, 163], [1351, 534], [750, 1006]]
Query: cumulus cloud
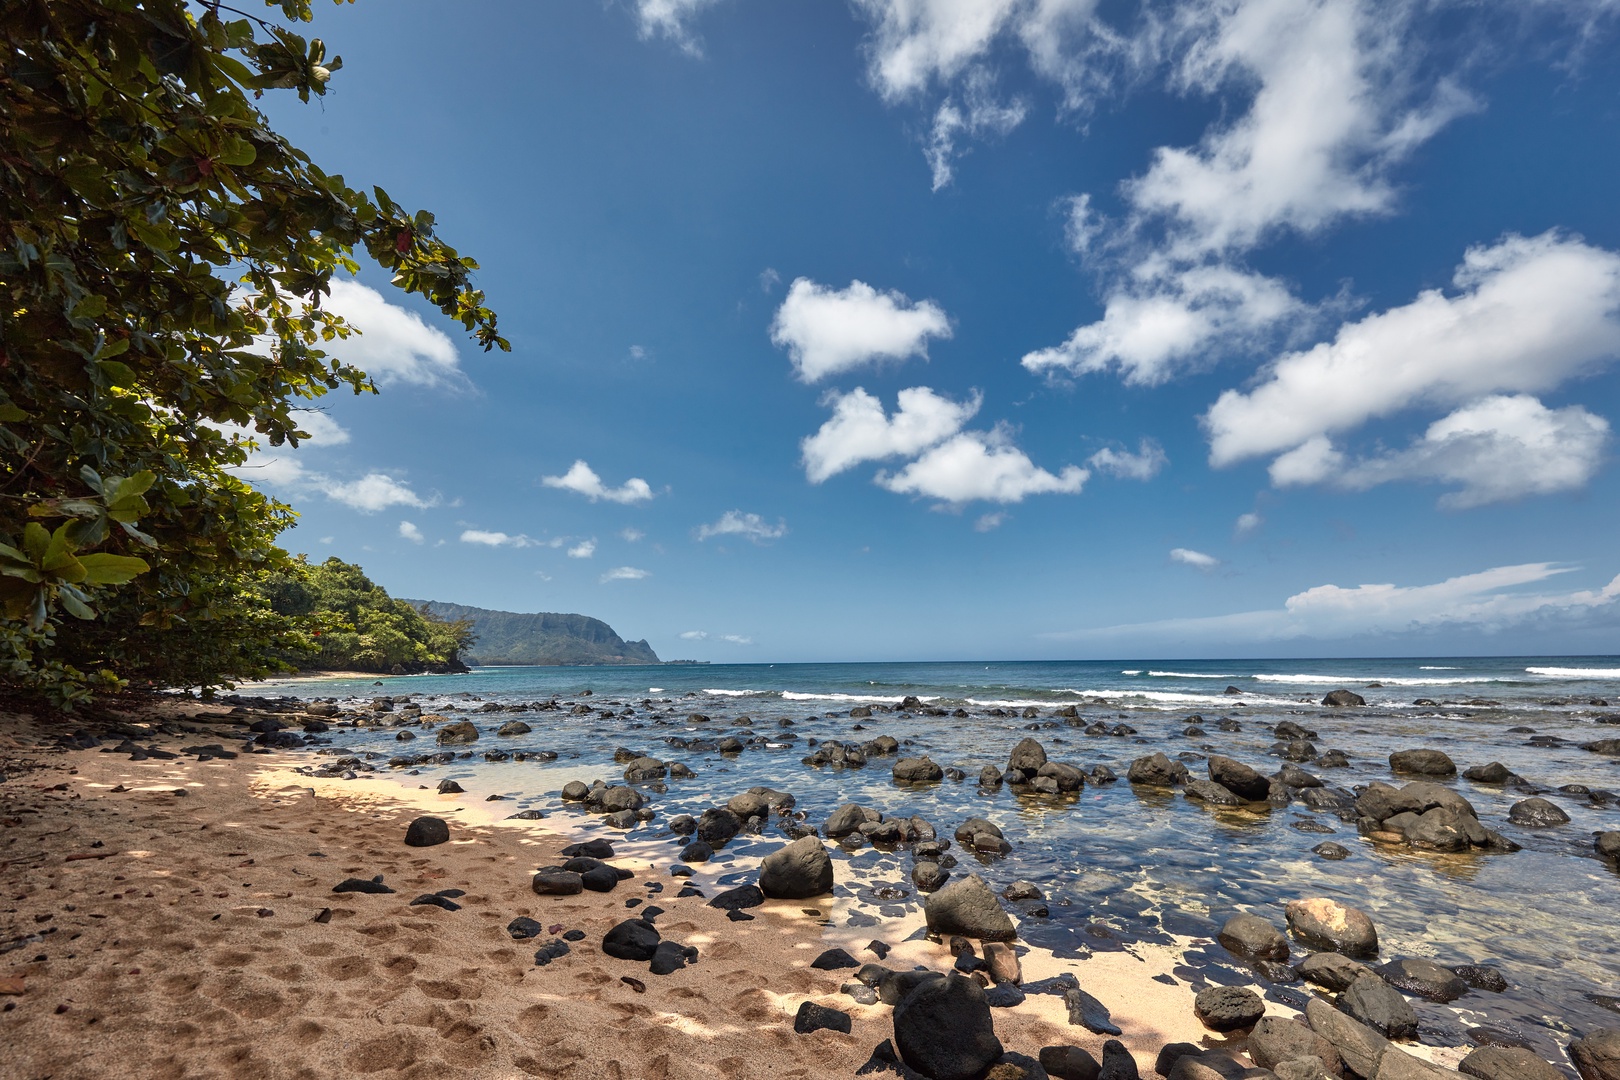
[[915, 42], [371, 493], [1150, 330], [672, 20], [980, 465], [410, 532], [749, 526], [990, 522], [631, 535], [694, 635], [624, 573], [581, 478], [1527, 315], [1145, 464], [582, 550], [1193, 558], [1491, 601], [1247, 523], [1333, 104], [394, 345], [858, 430], [828, 331], [1497, 449], [496, 539], [737, 639]]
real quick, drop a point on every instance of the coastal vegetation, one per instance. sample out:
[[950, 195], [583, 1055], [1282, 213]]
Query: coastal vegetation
[[544, 638], [164, 257]]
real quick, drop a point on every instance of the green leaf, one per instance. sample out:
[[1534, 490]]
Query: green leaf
[[75, 606], [103, 569], [11, 414]]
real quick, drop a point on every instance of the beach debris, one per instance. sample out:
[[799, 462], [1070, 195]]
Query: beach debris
[[635, 984], [362, 885]]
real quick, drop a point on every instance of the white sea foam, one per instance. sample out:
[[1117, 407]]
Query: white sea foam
[[858, 699], [1361, 680], [743, 693], [1575, 672], [655, 689], [1138, 671], [1434, 667], [1186, 675]]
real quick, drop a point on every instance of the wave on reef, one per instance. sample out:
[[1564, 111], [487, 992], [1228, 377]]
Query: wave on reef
[[1575, 672]]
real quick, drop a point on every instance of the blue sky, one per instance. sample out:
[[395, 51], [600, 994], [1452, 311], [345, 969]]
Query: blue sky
[[933, 329]]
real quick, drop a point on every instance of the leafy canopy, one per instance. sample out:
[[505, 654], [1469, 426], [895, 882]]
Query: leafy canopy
[[164, 258]]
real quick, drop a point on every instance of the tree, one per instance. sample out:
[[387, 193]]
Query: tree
[[164, 256]]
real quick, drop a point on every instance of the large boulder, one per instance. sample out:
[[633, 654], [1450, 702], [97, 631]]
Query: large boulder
[[1597, 1057], [1359, 1046], [1026, 760], [967, 907], [1331, 971], [614, 799], [921, 770], [1607, 845], [717, 825], [633, 939], [798, 871], [1323, 923], [1424, 978], [943, 1030], [1381, 1007], [1069, 1063], [1507, 1063], [1228, 1008], [1238, 778], [1422, 763], [1537, 813], [1275, 1040], [459, 733], [1340, 699], [1156, 770], [642, 769], [1253, 938], [514, 727], [847, 819], [427, 832]]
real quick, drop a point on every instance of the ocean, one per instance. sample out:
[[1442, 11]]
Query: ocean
[[1120, 866]]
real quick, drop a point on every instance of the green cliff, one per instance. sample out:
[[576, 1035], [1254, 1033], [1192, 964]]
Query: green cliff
[[509, 637]]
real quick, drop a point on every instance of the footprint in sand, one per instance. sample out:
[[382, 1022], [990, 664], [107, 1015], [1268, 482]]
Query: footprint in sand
[[347, 967], [399, 965]]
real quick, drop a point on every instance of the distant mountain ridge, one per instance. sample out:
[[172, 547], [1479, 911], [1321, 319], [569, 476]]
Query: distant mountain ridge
[[543, 638]]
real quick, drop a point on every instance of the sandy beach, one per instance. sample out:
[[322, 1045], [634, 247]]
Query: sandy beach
[[176, 918]]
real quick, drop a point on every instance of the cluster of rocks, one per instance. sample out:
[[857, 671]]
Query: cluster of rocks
[[1425, 815], [851, 755], [623, 807], [1029, 770]]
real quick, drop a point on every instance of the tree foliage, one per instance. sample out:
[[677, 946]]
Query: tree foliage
[[355, 625], [164, 257]]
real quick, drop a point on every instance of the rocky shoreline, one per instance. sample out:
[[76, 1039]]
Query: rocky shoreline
[[947, 1016]]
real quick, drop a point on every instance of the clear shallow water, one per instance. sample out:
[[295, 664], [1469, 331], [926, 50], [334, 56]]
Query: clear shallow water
[[1120, 864]]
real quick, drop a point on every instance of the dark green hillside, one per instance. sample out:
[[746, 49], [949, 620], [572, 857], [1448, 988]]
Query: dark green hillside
[[509, 637]]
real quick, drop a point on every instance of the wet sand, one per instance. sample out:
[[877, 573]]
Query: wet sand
[[176, 904]]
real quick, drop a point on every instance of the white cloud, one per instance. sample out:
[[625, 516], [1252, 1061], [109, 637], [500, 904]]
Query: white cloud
[[671, 20], [495, 539], [828, 331], [990, 522], [750, 526], [1194, 558], [1247, 523], [977, 114], [858, 430], [1336, 96], [1145, 464], [410, 532], [581, 478], [1490, 601], [394, 345], [737, 639], [322, 429], [1498, 448], [1152, 327], [916, 41], [694, 635], [1528, 314], [638, 352], [371, 493], [630, 535], [624, 573], [980, 465], [769, 279], [582, 550]]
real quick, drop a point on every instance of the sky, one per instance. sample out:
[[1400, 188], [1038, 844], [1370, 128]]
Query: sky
[[988, 329]]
